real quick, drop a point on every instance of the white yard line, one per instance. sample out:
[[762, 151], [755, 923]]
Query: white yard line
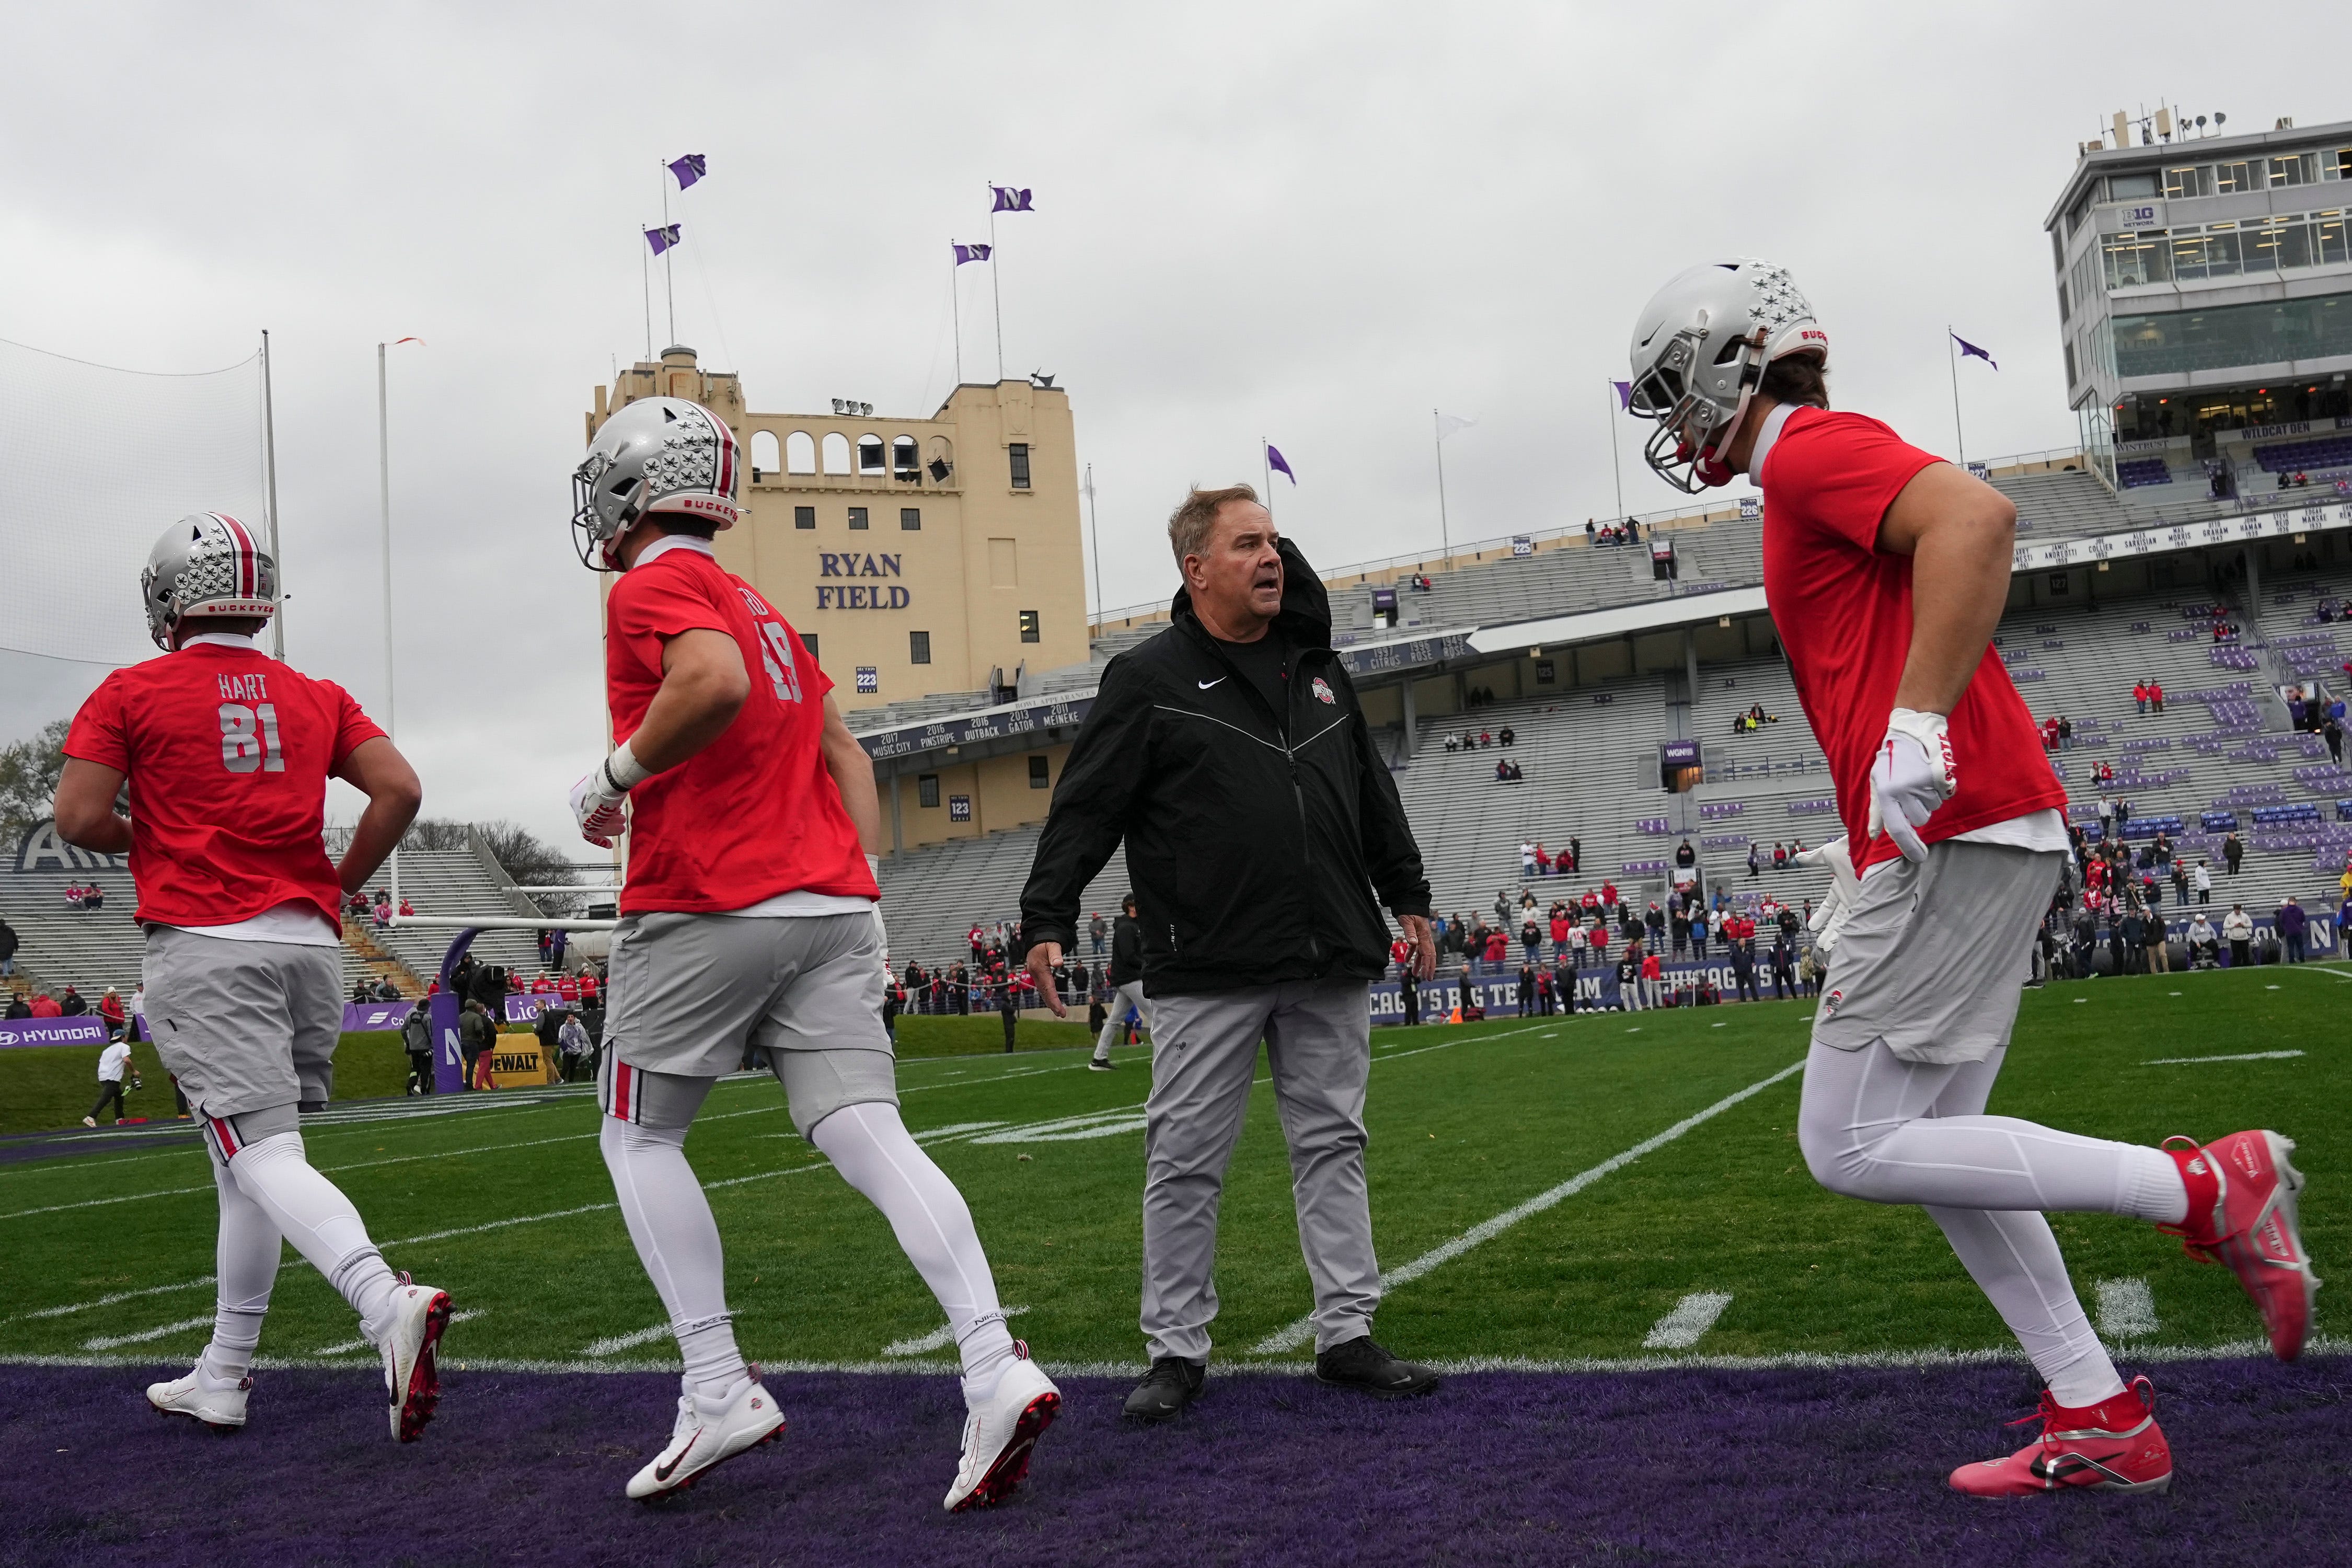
[[107, 1342], [2126, 1309], [1298, 1333], [1687, 1322], [1810, 1361], [2248, 1056], [118, 1296], [939, 1338], [348, 1346], [619, 1343]]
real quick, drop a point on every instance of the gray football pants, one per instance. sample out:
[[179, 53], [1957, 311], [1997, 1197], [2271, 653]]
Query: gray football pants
[[1128, 995], [1317, 1038]]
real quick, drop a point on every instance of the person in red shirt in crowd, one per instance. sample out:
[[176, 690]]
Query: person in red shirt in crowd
[[1886, 570], [570, 988], [2155, 696], [2139, 695], [542, 985], [1590, 903], [1609, 895], [46, 1006], [1498, 947], [1560, 925], [588, 987], [751, 911], [406, 908], [227, 753]]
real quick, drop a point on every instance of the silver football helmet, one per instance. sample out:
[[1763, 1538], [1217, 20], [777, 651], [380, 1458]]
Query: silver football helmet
[[207, 565], [657, 455], [1700, 347]]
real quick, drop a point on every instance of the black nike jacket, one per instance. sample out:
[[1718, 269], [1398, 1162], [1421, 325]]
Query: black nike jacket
[[1254, 855]]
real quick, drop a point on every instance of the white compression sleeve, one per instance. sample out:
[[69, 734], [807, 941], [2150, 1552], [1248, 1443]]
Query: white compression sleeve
[[313, 1212], [873, 1153], [246, 1257], [677, 1240]]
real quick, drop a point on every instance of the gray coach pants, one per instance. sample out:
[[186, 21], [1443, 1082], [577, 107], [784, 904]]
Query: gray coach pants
[[1318, 1037], [1128, 995]]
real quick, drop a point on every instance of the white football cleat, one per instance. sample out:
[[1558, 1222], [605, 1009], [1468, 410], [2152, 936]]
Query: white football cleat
[[1000, 1436], [708, 1431], [219, 1405], [412, 1372]]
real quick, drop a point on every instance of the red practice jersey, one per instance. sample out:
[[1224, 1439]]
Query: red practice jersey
[[755, 813], [1842, 607], [228, 752]]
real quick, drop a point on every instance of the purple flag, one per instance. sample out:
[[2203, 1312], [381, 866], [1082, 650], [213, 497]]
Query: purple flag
[[1624, 393], [1276, 461], [1009, 200], [964, 253], [1969, 349], [661, 239], [690, 168]]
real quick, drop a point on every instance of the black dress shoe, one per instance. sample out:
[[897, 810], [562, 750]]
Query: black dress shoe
[[1361, 1364], [1170, 1385]]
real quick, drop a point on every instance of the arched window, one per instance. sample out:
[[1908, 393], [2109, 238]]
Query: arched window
[[903, 461], [799, 453], [836, 453], [766, 456], [869, 454], [940, 460]]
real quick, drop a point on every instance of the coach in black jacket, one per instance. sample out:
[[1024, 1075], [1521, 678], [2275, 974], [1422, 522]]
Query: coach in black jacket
[[1230, 753]]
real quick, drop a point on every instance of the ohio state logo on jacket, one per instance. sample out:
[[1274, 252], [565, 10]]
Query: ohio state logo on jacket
[[1322, 690]]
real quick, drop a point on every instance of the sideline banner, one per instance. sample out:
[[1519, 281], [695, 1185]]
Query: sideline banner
[[517, 1062], [88, 1029]]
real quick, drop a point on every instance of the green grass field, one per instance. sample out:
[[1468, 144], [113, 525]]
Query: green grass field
[[506, 1204]]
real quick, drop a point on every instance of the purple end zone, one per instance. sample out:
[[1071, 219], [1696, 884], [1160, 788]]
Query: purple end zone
[[1718, 1468]]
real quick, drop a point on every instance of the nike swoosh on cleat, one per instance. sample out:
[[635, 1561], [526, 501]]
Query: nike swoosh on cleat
[[663, 1472], [1206, 684]]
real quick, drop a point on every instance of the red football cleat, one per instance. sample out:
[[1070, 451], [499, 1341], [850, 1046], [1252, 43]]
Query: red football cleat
[[2114, 1445], [2242, 1212]]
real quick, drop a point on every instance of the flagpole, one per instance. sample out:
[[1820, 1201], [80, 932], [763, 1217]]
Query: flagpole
[[269, 462], [1094, 528], [670, 269], [646, 277], [1615, 469], [1444, 530], [1265, 474], [995, 288], [384, 494], [1952, 361], [955, 306]]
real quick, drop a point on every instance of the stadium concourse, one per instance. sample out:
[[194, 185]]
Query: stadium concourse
[[1588, 757]]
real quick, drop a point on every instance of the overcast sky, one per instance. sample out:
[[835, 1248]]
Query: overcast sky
[[1310, 222]]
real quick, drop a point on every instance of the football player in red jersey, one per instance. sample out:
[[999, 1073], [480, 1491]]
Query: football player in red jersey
[[749, 910], [227, 753], [1886, 570]]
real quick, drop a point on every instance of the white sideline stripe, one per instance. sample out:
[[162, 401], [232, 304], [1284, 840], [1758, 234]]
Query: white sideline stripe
[[1298, 1332], [2126, 1309], [118, 1296], [1810, 1361], [2249, 1056], [939, 1338], [620, 1342], [351, 1345], [107, 1342], [1687, 1322]]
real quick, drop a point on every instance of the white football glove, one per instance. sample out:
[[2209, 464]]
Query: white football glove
[[1837, 905], [600, 801], [1911, 776]]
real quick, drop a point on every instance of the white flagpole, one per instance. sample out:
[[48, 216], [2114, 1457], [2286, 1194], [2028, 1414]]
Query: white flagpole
[[955, 305], [670, 269], [646, 278], [1094, 528], [1952, 360], [1445, 531], [384, 493], [1265, 473], [995, 287], [269, 462], [1615, 469]]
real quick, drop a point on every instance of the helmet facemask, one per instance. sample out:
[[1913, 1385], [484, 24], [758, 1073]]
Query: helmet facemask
[[1699, 356]]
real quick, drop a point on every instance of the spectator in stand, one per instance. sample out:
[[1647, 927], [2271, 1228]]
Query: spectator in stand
[[2232, 852], [1698, 933], [2204, 882], [2332, 732], [1655, 922], [2065, 734], [1527, 987], [1531, 937], [2140, 696], [1561, 925], [476, 1033], [1008, 1008], [1098, 931], [2291, 924], [73, 895], [1678, 927], [19, 1007], [1508, 735], [1628, 979], [2238, 931], [1684, 855], [2155, 696], [2126, 940], [110, 1008], [1654, 984], [1485, 737], [111, 1064], [2204, 945], [1779, 856], [1499, 948], [1526, 852], [2159, 944], [72, 1005], [93, 897], [1574, 860], [9, 943], [383, 912], [408, 908]]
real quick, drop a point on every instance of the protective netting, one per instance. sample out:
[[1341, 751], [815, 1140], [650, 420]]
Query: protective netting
[[94, 463]]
